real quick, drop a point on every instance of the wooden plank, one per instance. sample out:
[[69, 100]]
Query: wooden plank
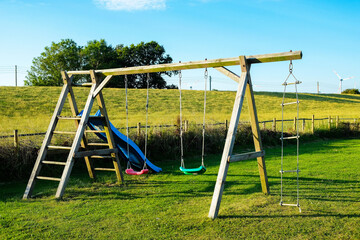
[[230, 140], [105, 169], [76, 144], [245, 156], [107, 129], [47, 140], [53, 162], [68, 118], [95, 152], [102, 85], [94, 131], [256, 136], [59, 147], [49, 178], [64, 132], [272, 57], [98, 144]]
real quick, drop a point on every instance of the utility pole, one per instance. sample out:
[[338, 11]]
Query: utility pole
[[318, 88], [210, 82], [15, 75]]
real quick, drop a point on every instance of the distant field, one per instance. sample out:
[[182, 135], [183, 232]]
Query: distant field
[[29, 109]]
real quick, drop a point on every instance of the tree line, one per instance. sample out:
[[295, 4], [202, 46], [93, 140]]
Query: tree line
[[67, 55]]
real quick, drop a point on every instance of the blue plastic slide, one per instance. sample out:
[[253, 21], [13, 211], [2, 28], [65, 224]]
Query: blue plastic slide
[[136, 157]]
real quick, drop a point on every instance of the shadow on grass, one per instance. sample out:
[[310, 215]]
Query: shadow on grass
[[291, 216]]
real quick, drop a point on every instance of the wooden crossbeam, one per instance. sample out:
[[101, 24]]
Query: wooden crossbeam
[[245, 156]]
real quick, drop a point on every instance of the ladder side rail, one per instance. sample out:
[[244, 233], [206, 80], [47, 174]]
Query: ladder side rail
[[230, 140], [107, 127], [75, 113], [76, 144], [47, 140]]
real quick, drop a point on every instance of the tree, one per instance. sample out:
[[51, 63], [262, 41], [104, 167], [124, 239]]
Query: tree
[[98, 55], [139, 55], [46, 69]]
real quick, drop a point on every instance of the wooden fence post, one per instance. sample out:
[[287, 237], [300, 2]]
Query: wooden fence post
[[303, 124], [226, 125], [337, 121], [294, 123], [16, 139], [264, 127], [138, 128], [274, 125], [329, 122], [186, 125], [313, 124]]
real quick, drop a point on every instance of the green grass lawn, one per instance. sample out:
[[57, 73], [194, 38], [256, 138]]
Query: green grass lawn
[[29, 109], [171, 205]]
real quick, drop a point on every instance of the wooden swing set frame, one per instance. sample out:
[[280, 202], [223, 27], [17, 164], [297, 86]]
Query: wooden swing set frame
[[79, 145]]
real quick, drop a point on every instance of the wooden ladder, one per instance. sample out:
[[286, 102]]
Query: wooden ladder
[[79, 141]]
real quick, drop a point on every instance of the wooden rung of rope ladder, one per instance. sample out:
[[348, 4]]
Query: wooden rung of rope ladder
[[292, 137], [289, 171], [245, 156], [292, 83], [289, 103]]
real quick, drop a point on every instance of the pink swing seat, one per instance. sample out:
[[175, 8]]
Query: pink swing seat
[[131, 171]]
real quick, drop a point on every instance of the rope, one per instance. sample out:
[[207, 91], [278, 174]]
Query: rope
[[127, 122], [297, 135], [147, 113], [181, 130], [203, 125]]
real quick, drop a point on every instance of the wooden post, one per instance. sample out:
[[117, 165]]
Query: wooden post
[[329, 122], [138, 128], [337, 121], [274, 125], [294, 123], [313, 124], [186, 125], [230, 140], [226, 125], [264, 126], [303, 124], [16, 139]]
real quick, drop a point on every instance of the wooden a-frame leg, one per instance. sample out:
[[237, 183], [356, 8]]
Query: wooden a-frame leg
[[75, 112], [107, 128], [256, 136], [230, 139], [46, 142], [76, 144]]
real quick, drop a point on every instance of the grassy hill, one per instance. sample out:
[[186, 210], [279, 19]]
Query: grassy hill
[[29, 109]]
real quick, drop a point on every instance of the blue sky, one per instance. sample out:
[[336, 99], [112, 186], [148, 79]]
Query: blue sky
[[327, 32]]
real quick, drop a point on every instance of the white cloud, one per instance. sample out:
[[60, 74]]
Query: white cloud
[[131, 5]]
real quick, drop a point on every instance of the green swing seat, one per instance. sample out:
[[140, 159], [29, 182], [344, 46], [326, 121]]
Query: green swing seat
[[193, 171]]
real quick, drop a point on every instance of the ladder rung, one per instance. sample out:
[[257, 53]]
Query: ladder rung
[[94, 131], [105, 169], [289, 103], [284, 171], [62, 132], [292, 83], [95, 152], [59, 147], [292, 137], [68, 118], [48, 178], [54, 162], [245, 156], [98, 144], [289, 204], [102, 157]]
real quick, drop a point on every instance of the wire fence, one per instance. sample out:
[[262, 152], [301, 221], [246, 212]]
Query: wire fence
[[305, 125]]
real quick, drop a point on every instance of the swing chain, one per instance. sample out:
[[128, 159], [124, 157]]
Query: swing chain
[[127, 122]]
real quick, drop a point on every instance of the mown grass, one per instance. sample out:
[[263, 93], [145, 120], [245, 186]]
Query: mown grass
[[29, 109], [171, 205]]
